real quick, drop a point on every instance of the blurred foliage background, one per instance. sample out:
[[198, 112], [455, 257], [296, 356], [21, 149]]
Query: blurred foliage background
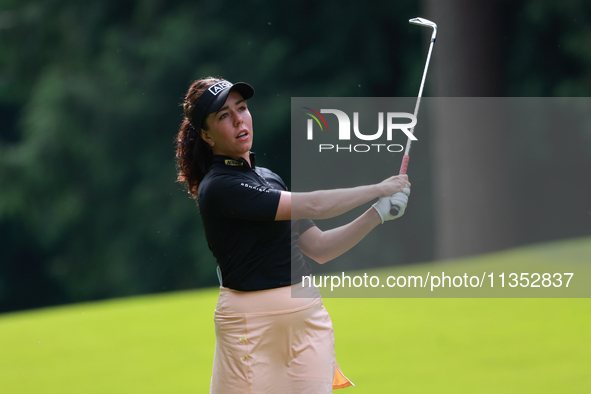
[[89, 108]]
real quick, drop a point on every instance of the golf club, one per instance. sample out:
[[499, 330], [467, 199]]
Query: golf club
[[394, 210]]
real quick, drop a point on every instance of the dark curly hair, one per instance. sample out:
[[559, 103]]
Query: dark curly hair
[[193, 162]]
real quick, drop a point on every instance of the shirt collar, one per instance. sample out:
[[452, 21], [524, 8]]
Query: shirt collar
[[231, 162]]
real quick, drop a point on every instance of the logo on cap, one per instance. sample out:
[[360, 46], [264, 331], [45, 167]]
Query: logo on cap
[[218, 87]]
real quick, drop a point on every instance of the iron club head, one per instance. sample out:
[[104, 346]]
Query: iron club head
[[426, 23]]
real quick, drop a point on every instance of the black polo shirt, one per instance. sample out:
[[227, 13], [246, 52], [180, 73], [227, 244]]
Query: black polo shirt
[[238, 204]]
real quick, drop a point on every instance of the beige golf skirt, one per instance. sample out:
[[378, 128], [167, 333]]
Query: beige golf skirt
[[270, 342]]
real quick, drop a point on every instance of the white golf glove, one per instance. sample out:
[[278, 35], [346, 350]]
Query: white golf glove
[[384, 204]]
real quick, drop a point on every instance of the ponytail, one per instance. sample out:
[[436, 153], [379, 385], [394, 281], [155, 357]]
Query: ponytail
[[203, 156], [193, 155]]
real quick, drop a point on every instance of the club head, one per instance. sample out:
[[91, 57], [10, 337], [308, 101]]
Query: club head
[[426, 23]]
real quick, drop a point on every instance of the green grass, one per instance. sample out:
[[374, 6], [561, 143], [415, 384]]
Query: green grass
[[165, 343]]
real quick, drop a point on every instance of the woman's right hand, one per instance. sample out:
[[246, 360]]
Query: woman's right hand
[[393, 185]]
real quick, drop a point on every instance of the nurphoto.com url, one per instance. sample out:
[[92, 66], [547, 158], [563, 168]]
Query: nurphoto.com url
[[433, 282]]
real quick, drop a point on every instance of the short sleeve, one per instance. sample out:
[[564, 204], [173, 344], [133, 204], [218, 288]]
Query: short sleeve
[[238, 199]]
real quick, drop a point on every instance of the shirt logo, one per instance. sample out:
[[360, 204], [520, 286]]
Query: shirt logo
[[218, 87], [257, 188], [233, 163]]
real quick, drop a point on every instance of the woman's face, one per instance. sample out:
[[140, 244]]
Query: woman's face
[[230, 128]]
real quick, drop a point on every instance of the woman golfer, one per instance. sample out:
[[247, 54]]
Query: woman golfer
[[272, 334]]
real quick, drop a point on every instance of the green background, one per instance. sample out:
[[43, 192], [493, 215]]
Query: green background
[[102, 254], [165, 343]]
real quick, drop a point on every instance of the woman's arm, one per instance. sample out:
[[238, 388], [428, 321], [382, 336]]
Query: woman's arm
[[324, 204], [323, 246]]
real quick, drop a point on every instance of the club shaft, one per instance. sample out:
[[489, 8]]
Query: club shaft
[[418, 104], [394, 210]]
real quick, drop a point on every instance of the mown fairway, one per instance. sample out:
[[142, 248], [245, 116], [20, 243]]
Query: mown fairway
[[165, 343]]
